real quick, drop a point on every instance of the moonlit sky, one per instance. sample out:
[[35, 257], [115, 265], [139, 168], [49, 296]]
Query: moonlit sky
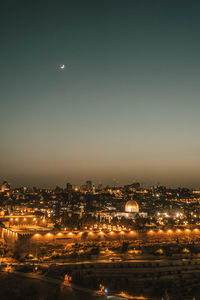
[[127, 105]]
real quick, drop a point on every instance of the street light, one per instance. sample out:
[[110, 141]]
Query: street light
[[132, 232], [150, 232]]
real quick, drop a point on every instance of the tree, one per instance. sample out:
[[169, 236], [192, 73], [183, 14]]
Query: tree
[[125, 246]]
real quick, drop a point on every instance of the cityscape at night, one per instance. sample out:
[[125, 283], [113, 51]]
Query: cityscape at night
[[100, 150], [129, 240]]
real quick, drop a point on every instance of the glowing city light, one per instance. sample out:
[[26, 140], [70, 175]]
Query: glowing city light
[[133, 232], [150, 232]]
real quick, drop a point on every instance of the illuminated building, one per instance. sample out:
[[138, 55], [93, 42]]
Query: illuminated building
[[5, 186], [131, 207]]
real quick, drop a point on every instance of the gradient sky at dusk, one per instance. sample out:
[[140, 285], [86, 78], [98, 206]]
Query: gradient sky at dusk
[[127, 105]]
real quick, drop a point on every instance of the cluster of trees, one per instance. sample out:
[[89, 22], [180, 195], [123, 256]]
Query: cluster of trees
[[74, 221]]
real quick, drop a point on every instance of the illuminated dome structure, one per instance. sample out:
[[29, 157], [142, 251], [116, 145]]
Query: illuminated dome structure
[[131, 211], [131, 207]]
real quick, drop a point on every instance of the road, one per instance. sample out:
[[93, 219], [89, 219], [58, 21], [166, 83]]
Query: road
[[69, 286]]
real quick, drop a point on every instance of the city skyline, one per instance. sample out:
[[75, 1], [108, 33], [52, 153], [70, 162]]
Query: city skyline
[[126, 105], [80, 184]]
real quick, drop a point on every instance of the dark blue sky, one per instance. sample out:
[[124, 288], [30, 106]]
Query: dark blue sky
[[125, 107]]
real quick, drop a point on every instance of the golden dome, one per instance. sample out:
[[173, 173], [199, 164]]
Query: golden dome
[[131, 207]]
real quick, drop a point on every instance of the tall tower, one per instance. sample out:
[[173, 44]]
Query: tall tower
[[89, 185], [69, 187]]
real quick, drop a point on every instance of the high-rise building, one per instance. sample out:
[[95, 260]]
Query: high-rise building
[[69, 187], [89, 185], [93, 188], [100, 187]]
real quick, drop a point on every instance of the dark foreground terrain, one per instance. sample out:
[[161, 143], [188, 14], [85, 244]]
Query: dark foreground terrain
[[17, 288]]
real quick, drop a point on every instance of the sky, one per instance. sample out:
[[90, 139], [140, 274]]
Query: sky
[[126, 106]]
